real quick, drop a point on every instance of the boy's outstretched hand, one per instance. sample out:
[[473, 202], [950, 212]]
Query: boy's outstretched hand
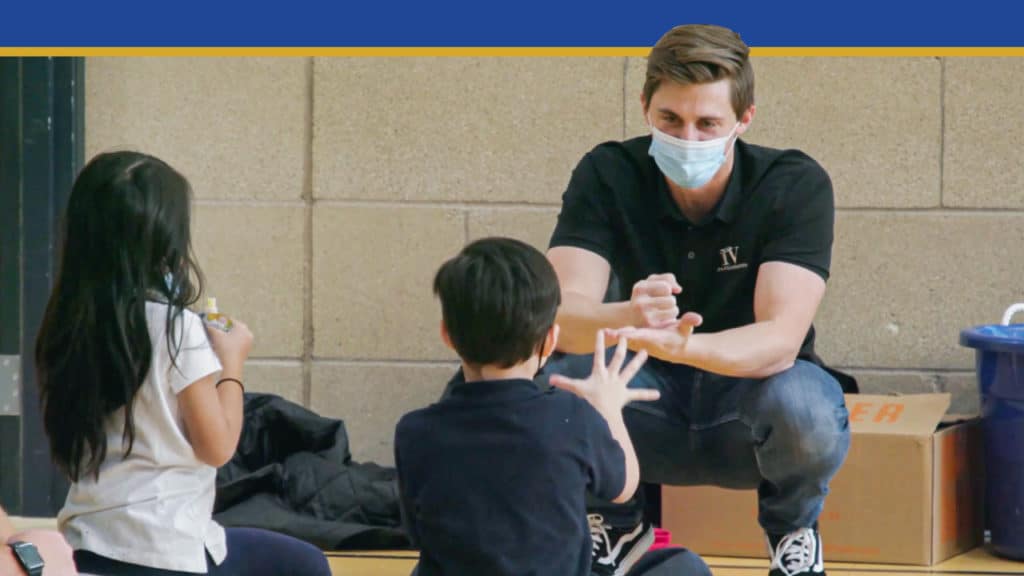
[[606, 388]]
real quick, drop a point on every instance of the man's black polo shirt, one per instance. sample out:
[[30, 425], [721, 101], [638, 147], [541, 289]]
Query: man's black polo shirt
[[493, 479], [777, 206]]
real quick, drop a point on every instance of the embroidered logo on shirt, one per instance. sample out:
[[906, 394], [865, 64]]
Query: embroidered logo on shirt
[[730, 259]]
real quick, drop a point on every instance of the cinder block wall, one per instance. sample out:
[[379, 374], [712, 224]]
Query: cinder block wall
[[330, 189]]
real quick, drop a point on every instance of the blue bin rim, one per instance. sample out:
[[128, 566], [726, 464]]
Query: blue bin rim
[[994, 337]]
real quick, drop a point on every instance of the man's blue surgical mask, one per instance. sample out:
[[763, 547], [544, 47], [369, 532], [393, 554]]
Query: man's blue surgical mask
[[689, 163]]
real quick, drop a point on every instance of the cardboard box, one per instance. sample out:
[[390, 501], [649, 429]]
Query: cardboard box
[[910, 491]]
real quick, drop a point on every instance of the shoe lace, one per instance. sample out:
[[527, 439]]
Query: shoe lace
[[598, 532], [795, 552]]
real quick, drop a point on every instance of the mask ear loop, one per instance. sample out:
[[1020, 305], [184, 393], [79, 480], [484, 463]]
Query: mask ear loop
[[735, 136], [735, 133]]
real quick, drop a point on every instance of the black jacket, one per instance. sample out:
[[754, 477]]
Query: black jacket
[[293, 474]]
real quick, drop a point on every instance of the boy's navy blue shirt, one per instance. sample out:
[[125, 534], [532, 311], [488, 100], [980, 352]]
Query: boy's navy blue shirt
[[493, 479]]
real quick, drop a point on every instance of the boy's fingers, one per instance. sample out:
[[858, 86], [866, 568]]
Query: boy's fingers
[[612, 335], [642, 395], [634, 366], [599, 352], [619, 357]]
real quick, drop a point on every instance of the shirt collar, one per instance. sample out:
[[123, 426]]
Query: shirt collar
[[490, 389]]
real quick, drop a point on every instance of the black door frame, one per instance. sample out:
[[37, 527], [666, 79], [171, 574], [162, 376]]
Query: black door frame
[[42, 120], [10, 269]]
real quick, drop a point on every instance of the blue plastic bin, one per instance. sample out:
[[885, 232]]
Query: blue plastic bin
[[999, 360]]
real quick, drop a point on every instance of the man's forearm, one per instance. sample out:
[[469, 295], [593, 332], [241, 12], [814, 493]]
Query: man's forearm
[[579, 319], [757, 350]]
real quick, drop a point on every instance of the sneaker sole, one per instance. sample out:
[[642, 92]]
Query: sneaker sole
[[643, 544]]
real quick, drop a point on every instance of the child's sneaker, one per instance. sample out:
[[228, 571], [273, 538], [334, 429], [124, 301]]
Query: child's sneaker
[[617, 548], [796, 554]]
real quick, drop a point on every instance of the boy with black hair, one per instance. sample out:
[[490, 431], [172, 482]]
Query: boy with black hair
[[493, 477]]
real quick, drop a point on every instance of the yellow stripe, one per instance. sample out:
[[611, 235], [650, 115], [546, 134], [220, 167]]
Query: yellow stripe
[[768, 52]]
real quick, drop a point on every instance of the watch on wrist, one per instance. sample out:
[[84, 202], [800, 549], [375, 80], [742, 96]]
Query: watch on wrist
[[28, 557]]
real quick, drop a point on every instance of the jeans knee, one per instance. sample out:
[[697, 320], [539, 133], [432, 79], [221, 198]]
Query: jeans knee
[[803, 411]]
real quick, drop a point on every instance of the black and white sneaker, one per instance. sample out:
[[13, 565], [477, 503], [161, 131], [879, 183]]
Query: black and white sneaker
[[796, 554], [617, 548]]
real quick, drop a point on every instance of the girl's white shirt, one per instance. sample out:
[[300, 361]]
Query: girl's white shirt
[[153, 508]]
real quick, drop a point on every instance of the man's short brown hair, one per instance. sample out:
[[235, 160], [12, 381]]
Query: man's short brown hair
[[698, 54]]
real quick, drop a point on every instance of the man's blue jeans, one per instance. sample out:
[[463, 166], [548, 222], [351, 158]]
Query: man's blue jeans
[[786, 435]]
